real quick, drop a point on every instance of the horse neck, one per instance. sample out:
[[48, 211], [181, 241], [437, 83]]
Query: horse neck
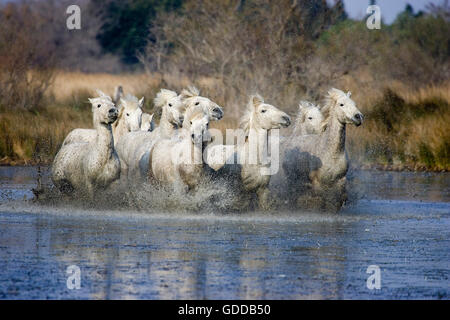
[[104, 142], [299, 129], [257, 141], [196, 153], [334, 138], [120, 128], [167, 129]]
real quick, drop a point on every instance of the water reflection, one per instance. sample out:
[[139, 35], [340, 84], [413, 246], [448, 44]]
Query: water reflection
[[169, 259], [426, 186]]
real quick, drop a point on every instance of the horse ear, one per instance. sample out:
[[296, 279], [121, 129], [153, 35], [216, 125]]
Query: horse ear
[[257, 100], [303, 105], [101, 93], [121, 103], [193, 90], [141, 102], [118, 93], [91, 100], [349, 94]]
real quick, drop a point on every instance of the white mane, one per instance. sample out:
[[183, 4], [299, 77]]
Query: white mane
[[162, 96], [247, 119]]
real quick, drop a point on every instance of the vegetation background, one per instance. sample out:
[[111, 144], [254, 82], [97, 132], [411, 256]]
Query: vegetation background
[[287, 50]]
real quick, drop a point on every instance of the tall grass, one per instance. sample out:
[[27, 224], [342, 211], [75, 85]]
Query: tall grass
[[404, 128]]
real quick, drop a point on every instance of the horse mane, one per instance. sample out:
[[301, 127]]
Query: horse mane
[[192, 113], [134, 105], [103, 98], [190, 92], [303, 104], [247, 119], [162, 96], [329, 103], [131, 98]]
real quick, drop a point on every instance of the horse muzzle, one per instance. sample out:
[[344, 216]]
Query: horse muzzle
[[217, 113], [287, 121], [113, 114], [358, 119]]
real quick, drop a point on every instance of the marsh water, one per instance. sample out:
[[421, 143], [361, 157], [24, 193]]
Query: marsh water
[[397, 221]]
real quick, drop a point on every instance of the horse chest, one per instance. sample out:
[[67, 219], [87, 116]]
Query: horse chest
[[334, 169], [252, 177], [107, 171]]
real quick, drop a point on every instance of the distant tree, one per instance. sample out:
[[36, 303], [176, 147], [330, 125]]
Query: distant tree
[[441, 10], [125, 24]]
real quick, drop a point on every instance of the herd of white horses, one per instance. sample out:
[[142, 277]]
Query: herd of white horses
[[125, 147]]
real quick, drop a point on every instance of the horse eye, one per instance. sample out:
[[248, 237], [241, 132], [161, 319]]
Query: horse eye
[[197, 103], [99, 106], [263, 111], [342, 104], [310, 118], [128, 114], [170, 104]]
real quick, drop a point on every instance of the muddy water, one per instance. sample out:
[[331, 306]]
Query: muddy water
[[399, 222]]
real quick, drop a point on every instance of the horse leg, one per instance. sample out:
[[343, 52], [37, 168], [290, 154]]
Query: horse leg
[[264, 200], [311, 199]]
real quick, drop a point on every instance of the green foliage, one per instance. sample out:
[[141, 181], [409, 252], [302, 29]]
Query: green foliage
[[426, 155], [392, 110], [443, 154], [126, 24]]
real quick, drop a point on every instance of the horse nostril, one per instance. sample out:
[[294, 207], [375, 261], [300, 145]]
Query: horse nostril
[[192, 135], [287, 119], [112, 110], [358, 117]]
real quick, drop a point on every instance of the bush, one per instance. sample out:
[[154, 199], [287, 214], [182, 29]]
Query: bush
[[26, 57]]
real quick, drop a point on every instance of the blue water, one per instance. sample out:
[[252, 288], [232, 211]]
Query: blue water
[[397, 221]]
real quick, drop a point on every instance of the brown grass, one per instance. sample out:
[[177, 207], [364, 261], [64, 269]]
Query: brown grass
[[66, 83], [419, 137]]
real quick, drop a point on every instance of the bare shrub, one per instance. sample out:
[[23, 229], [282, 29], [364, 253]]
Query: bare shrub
[[26, 57], [243, 47]]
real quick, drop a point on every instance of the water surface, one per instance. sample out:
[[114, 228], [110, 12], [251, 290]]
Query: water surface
[[397, 221]]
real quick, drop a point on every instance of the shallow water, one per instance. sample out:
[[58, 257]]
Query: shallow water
[[397, 221]]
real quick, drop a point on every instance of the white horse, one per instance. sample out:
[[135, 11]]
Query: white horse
[[130, 116], [134, 145], [86, 167], [134, 150], [179, 160], [315, 166], [309, 119], [191, 98], [147, 122], [249, 159]]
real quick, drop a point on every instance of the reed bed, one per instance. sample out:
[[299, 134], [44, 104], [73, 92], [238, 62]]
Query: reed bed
[[404, 129]]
